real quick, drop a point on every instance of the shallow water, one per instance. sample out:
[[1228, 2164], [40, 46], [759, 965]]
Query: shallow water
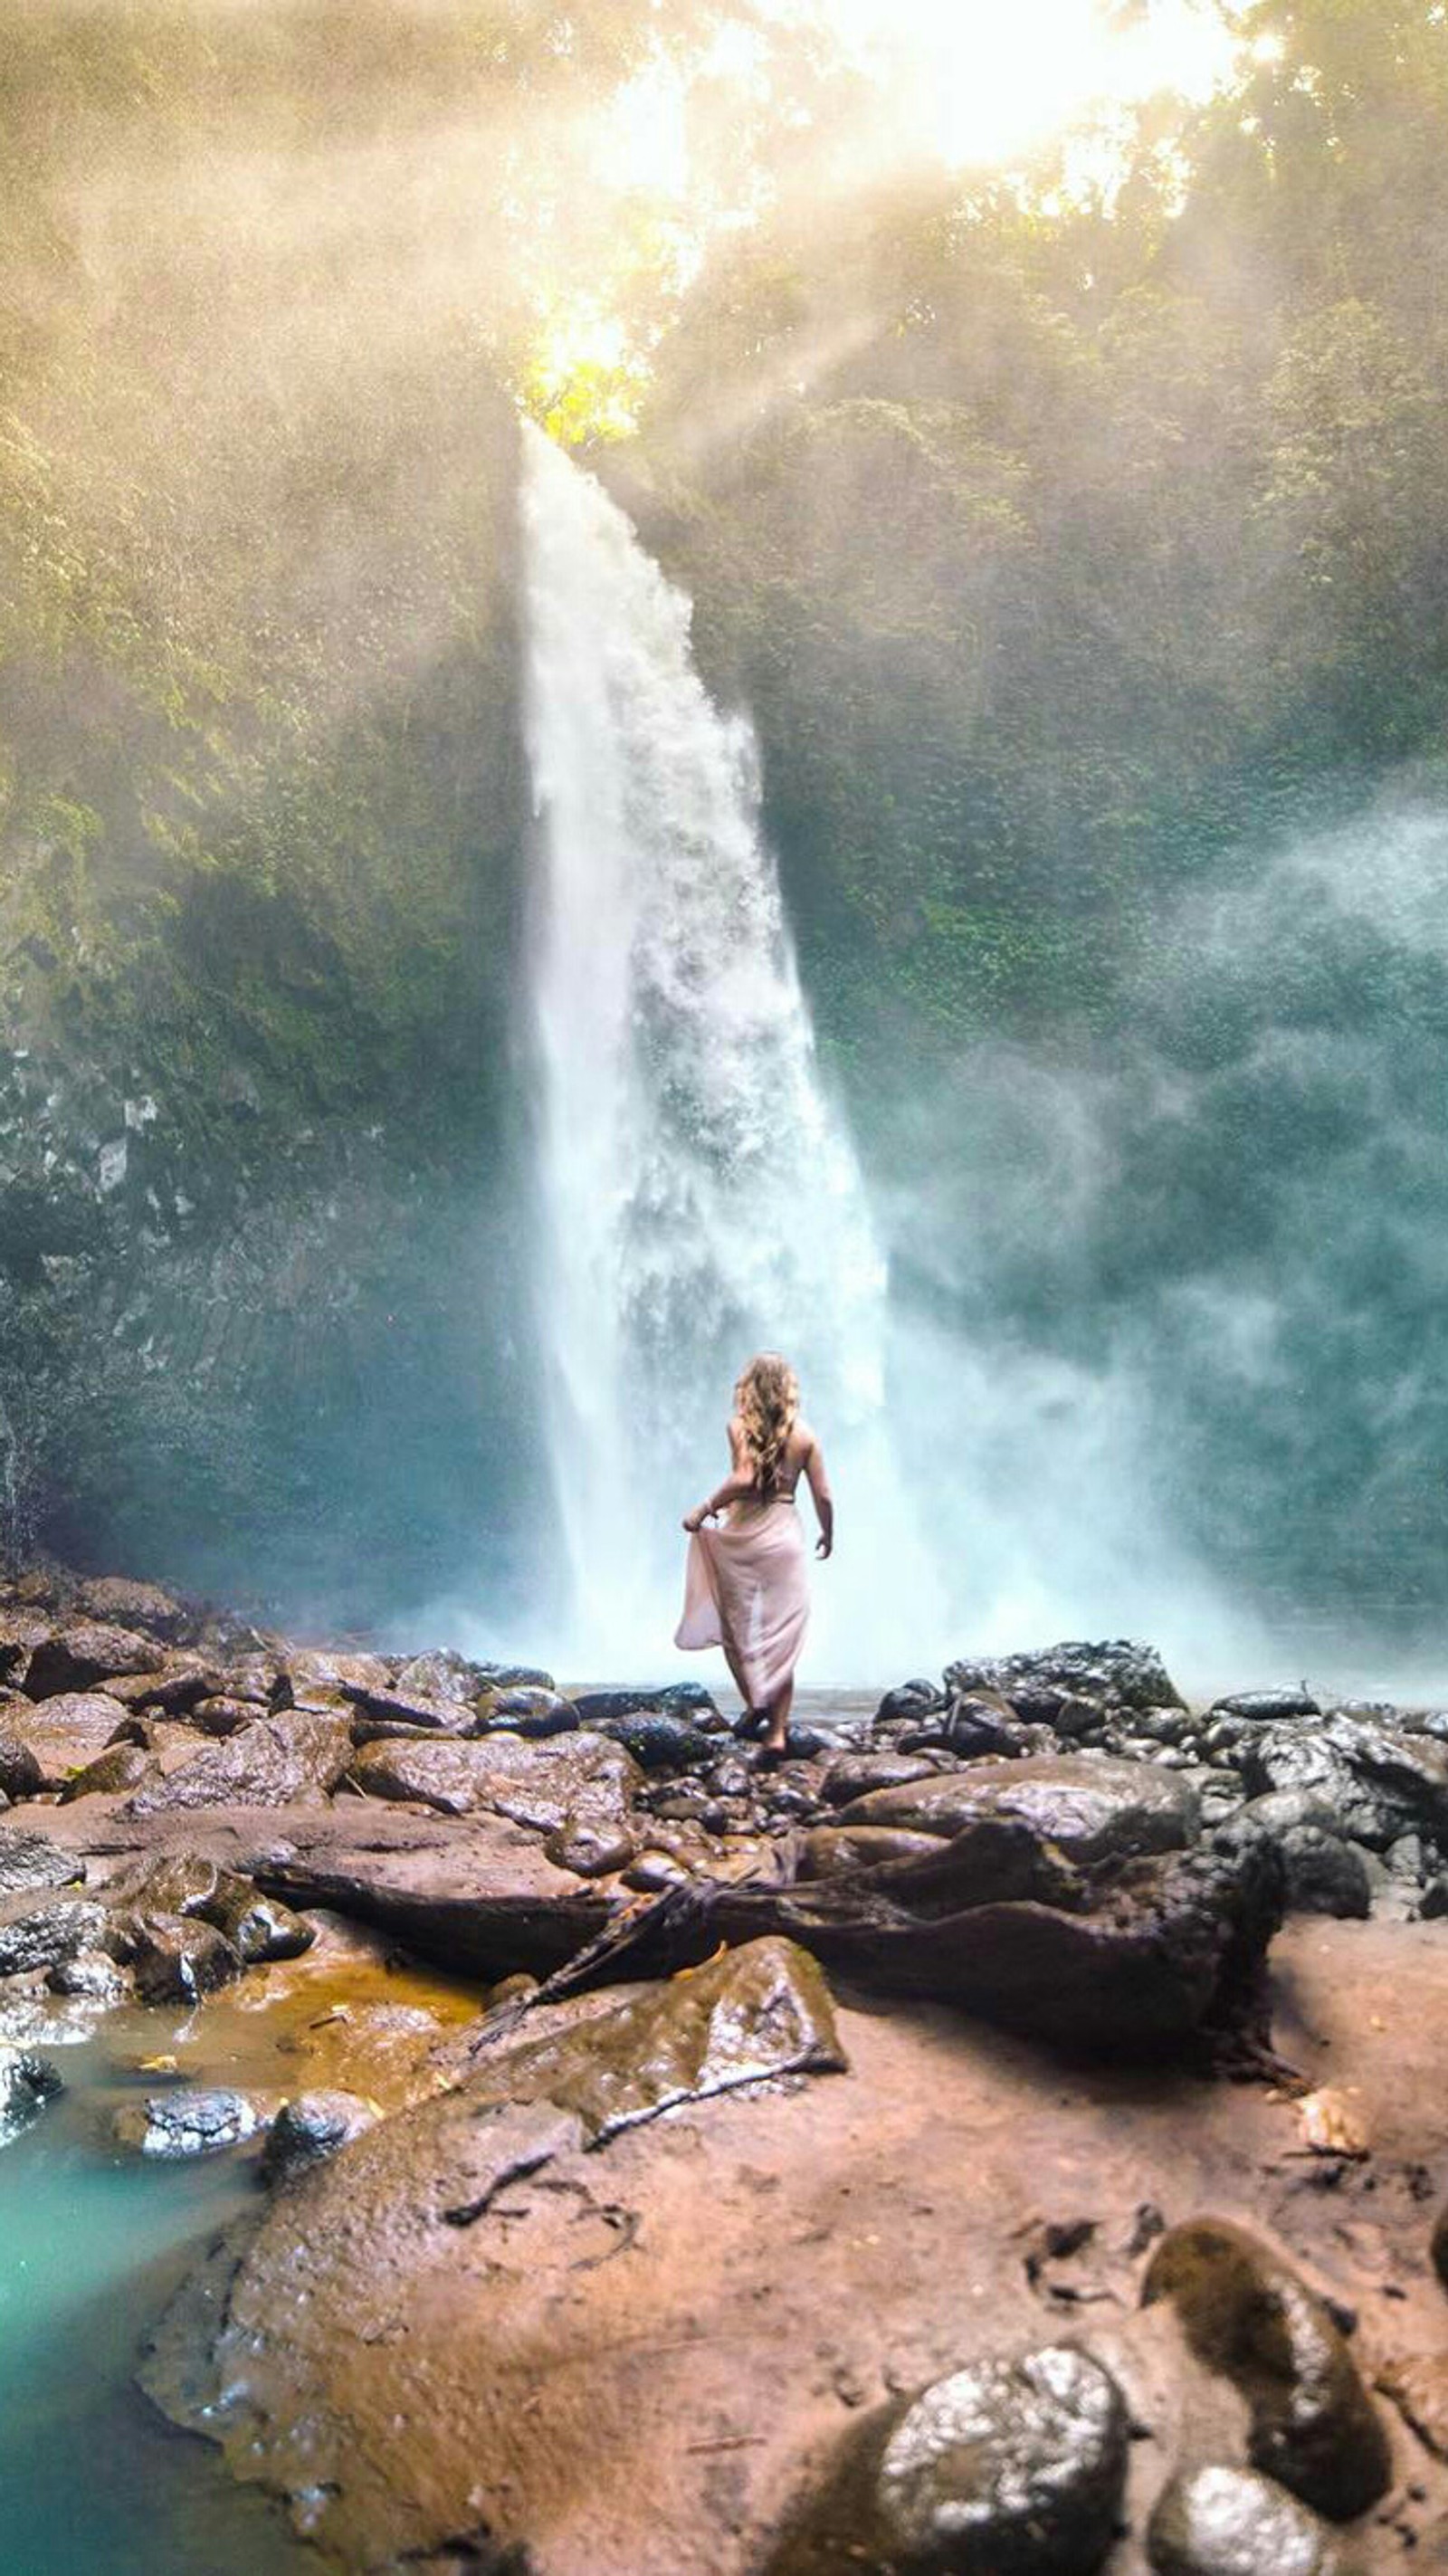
[[92, 2481]]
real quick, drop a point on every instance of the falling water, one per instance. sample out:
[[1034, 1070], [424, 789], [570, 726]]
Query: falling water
[[700, 1197]]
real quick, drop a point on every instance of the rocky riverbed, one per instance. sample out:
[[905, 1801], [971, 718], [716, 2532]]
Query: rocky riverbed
[[1004, 2137]]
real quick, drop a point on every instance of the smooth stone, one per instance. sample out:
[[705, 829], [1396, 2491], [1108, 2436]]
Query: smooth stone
[[190, 1884], [909, 1700], [832, 1849], [587, 1851], [1378, 1782], [1247, 2314], [193, 2120], [1090, 1809], [657, 1739], [534, 1711], [1007, 2468], [858, 1775], [222, 1715], [543, 1784], [309, 1674], [1233, 2522], [1262, 1706], [310, 2128]]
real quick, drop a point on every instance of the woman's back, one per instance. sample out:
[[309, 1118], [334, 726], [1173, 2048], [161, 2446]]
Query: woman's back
[[790, 1465]]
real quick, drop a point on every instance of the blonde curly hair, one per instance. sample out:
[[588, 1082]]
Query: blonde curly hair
[[766, 1400]]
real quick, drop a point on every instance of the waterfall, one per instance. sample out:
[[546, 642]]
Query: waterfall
[[699, 1196]]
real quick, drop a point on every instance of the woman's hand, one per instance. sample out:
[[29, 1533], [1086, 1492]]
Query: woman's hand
[[694, 1521], [824, 1546]]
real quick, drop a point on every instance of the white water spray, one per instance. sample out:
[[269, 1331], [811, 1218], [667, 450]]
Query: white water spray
[[700, 1198]]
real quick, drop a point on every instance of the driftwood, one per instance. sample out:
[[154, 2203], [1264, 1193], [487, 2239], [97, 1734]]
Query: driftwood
[[1131, 1958]]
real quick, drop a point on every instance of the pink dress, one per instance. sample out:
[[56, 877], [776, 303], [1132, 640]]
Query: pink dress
[[746, 1589]]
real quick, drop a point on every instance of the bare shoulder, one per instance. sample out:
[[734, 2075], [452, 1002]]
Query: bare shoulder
[[803, 1439], [736, 1436]]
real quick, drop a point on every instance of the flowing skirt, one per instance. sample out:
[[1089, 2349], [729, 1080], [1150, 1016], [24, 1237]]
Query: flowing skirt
[[746, 1589]]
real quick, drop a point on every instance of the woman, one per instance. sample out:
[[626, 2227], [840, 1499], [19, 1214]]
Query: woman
[[744, 1585]]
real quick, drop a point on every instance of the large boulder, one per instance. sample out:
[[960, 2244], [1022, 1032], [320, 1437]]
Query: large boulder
[[191, 1884], [77, 1658], [540, 1783], [1375, 1781], [115, 1601], [294, 1759], [1115, 1673], [66, 1732], [1090, 1809], [1247, 2313]]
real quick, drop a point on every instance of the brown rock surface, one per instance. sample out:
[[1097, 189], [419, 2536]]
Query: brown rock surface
[[642, 2360], [66, 1732]]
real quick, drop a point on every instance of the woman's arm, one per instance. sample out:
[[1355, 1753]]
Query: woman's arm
[[736, 1488], [819, 1485]]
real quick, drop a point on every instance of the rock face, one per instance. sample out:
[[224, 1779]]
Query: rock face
[[1246, 2313], [578, 1778], [1116, 1672], [29, 1860], [76, 1659], [37, 1935], [1009, 2468], [1231, 2522]]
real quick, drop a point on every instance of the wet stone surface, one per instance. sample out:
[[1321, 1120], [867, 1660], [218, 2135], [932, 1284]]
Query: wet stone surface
[[1234, 2522]]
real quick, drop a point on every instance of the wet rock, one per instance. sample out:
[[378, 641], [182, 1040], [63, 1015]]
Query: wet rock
[[191, 2120], [192, 1885], [75, 1659], [116, 1601], [309, 2129], [731, 1778], [35, 1936], [587, 1851], [657, 1740], [533, 1711], [320, 1679], [178, 1958], [858, 1775], [1263, 1706], [1247, 2314], [1115, 1672], [20, 1633], [121, 1768], [412, 1709], [1378, 1782], [653, 1871], [972, 1726], [27, 2083], [20, 1771], [67, 1731], [274, 1762], [914, 1699], [30, 1860], [1008, 2468], [220, 1714], [443, 1675], [91, 1975], [1324, 1875], [1091, 1810], [543, 1784], [833, 1849], [679, 1699], [175, 1687], [1232, 2522]]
